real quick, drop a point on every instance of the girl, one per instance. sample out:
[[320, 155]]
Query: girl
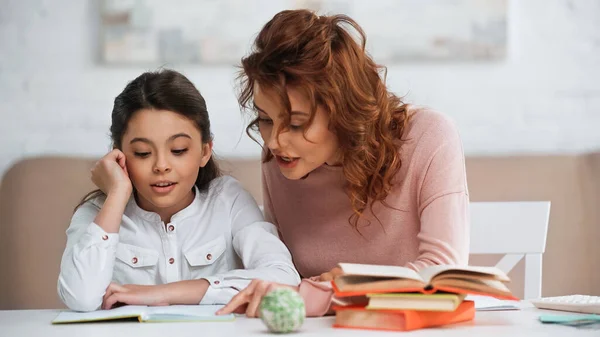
[[350, 172], [165, 227]]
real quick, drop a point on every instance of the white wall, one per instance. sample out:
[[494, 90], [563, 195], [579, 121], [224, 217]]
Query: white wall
[[544, 97]]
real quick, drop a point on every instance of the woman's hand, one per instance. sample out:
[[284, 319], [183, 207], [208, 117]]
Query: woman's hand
[[110, 174], [330, 275], [134, 295], [249, 299]]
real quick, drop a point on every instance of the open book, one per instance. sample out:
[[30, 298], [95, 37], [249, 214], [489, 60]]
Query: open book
[[361, 279], [173, 313]]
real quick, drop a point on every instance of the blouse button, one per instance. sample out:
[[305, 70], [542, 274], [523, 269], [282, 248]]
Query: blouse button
[[105, 237], [134, 260], [171, 228], [171, 260], [217, 282], [209, 257]]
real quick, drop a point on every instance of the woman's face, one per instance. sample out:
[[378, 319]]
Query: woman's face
[[298, 148]]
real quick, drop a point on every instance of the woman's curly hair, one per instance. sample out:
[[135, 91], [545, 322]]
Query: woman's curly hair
[[320, 56]]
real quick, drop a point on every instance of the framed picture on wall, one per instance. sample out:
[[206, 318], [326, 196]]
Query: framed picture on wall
[[221, 31]]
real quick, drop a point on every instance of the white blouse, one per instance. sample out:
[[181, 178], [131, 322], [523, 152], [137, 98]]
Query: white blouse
[[218, 235]]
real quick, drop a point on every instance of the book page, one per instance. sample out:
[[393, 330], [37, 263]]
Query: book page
[[100, 315], [430, 273], [487, 303], [199, 310], [476, 286], [379, 271]]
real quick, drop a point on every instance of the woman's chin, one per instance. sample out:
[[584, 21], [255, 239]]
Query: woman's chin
[[295, 173]]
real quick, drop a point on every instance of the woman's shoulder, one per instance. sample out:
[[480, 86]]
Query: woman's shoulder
[[429, 133], [425, 122]]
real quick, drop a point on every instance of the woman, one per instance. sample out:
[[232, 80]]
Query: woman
[[350, 172]]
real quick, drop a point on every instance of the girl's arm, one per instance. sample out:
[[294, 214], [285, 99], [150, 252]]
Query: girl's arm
[[183, 292], [88, 260], [257, 244], [87, 264]]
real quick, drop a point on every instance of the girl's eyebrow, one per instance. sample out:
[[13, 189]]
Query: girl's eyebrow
[[148, 141]]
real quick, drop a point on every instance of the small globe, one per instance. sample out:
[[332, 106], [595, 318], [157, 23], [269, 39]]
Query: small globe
[[282, 310]]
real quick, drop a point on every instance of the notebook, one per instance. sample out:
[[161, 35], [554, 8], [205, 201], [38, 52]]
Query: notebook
[[173, 313], [487, 303], [357, 317], [361, 279], [412, 301]]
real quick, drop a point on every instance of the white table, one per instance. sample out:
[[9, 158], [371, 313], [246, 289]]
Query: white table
[[33, 323]]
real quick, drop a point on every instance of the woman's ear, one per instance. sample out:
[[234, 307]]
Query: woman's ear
[[206, 153]]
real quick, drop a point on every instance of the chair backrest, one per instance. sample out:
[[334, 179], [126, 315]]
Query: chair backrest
[[515, 229]]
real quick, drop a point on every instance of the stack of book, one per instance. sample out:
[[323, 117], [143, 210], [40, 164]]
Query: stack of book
[[397, 298]]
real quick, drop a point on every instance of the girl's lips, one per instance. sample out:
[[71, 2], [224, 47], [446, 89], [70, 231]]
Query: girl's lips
[[163, 189]]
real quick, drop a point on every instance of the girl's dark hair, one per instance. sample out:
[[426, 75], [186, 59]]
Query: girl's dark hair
[[161, 90]]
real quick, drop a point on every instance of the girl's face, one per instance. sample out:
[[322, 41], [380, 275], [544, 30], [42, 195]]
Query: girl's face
[[298, 149], [164, 152]]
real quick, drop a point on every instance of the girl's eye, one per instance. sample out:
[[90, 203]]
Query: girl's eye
[[141, 154], [296, 127], [179, 152]]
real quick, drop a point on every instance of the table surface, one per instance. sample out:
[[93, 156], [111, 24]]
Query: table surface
[[524, 322]]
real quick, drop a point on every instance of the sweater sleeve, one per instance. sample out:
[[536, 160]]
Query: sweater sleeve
[[443, 199]]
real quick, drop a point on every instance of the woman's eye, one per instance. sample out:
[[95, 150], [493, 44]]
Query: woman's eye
[[179, 152], [141, 154], [265, 120]]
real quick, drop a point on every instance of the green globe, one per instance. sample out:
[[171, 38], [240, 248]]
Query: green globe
[[282, 310]]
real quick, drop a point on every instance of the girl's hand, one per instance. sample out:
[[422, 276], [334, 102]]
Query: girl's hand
[[134, 295], [249, 299], [110, 174]]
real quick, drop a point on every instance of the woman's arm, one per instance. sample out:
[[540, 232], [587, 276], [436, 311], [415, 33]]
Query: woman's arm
[[443, 199]]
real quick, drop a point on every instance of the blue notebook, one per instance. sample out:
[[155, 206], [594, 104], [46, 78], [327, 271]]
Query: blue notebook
[[173, 313], [580, 321]]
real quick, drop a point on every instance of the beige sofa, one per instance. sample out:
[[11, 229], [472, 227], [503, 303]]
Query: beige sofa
[[37, 197]]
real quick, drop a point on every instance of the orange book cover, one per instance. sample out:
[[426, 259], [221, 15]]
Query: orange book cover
[[358, 317], [360, 293]]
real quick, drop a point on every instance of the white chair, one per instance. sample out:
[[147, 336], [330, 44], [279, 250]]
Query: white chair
[[517, 230]]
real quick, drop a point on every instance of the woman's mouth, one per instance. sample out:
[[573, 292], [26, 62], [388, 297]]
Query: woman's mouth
[[287, 162]]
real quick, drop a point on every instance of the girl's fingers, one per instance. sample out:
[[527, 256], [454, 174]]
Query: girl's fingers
[[261, 290], [241, 298]]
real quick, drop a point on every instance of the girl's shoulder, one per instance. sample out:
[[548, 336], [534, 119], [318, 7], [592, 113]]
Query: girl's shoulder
[[226, 187], [95, 202], [90, 207], [225, 181]]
